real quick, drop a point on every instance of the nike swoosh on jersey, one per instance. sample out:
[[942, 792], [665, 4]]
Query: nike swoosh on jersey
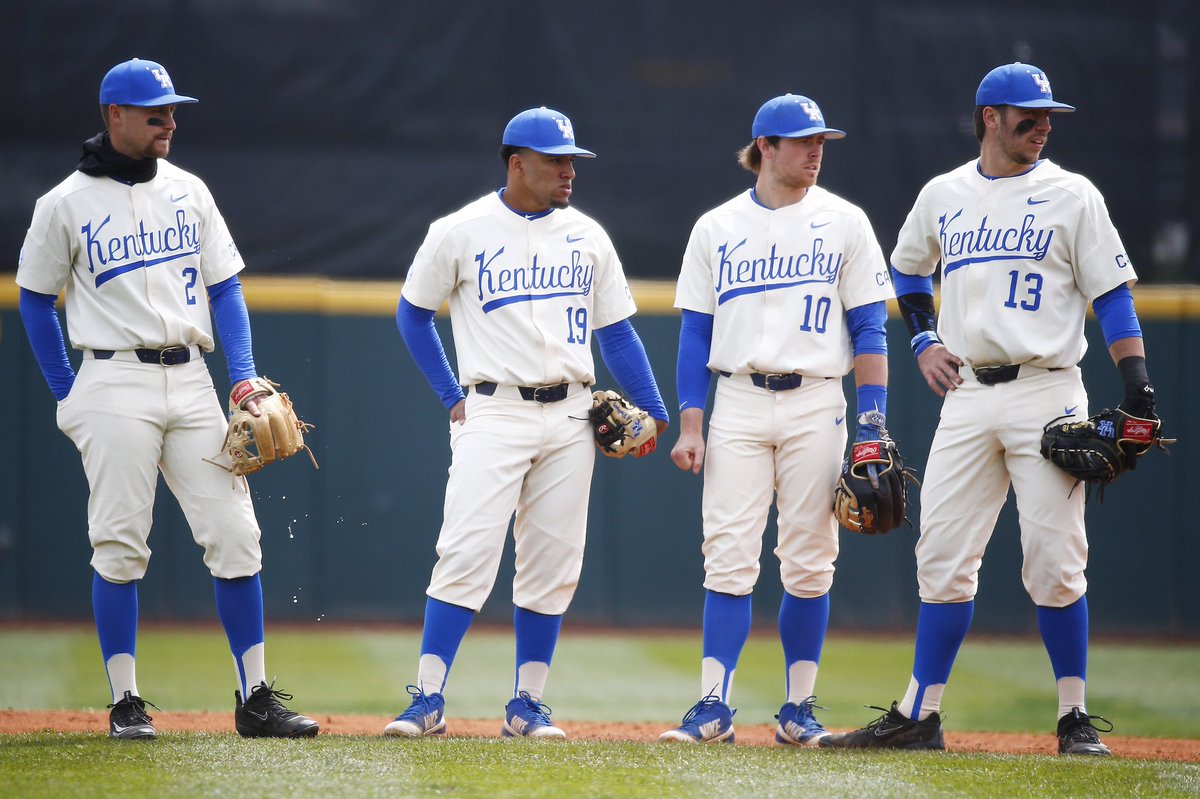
[[177, 199], [572, 239], [1032, 201], [839, 420], [814, 225]]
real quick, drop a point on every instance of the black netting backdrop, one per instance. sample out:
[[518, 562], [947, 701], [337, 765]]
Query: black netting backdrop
[[333, 131]]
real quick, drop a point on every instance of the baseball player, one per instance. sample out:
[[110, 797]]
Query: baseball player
[[530, 281], [782, 292], [1024, 246], [143, 254]]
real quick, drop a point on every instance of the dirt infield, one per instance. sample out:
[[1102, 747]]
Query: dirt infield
[[27, 721]]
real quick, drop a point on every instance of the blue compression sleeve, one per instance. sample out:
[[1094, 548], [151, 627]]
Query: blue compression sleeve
[[233, 326], [911, 284], [1114, 311], [867, 332], [625, 357], [425, 346], [46, 338], [692, 376]]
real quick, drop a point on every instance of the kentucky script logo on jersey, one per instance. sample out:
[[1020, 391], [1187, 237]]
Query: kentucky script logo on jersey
[[736, 277], [964, 243], [114, 253], [500, 285]]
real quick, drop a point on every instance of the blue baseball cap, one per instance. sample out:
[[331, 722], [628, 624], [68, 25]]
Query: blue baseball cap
[[141, 83], [792, 116], [1020, 85], [544, 130]]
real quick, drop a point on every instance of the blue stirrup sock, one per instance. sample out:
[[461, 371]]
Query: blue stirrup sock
[[726, 628], [240, 608], [941, 629], [1065, 635], [445, 627], [115, 606], [537, 635], [802, 627]]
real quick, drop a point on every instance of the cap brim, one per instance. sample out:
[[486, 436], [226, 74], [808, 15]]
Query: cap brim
[[166, 99], [1051, 104], [804, 133], [563, 149]]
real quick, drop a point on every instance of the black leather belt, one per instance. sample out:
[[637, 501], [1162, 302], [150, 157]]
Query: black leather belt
[[774, 382], [171, 356], [542, 394], [993, 375]]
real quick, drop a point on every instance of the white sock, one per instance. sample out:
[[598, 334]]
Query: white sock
[[254, 666], [801, 679], [122, 676], [931, 702], [431, 674], [1070, 696], [531, 678], [714, 680]]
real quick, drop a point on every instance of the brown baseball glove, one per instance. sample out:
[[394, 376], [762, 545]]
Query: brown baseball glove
[[276, 433], [621, 428]]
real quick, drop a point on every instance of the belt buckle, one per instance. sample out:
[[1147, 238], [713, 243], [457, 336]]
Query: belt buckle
[[170, 352], [991, 375], [777, 382], [547, 394]]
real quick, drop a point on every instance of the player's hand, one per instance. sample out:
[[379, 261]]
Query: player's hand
[[662, 425], [688, 452], [458, 413], [940, 368]]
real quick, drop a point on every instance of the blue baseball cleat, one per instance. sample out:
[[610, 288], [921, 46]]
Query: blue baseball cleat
[[425, 716], [797, 724], [525, 717], [709, 721]]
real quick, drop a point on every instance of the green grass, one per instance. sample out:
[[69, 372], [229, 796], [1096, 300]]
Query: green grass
[[998, 685], [180, 764]]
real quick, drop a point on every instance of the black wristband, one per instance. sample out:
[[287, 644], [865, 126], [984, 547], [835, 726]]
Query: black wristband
[[1139, 394]]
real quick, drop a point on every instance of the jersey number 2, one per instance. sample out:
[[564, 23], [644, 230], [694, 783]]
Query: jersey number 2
[[577, 326], [190, 273], [1033, 291]]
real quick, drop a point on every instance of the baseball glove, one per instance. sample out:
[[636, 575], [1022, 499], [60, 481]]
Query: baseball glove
[[1103, 447], [871, 496], [621, 428], [252, 442]]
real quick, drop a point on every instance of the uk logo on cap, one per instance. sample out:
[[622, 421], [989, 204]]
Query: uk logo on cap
[[1020, 85], [544, 130]]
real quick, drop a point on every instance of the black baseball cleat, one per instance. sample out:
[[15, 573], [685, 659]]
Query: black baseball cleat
[[128, 720], [264, 716], [892, 730], [1077, 735]]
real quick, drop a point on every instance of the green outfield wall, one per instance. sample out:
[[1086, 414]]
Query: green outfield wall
[[354, 540]]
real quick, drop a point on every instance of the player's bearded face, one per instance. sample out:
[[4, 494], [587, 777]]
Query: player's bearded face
[[144, 132], [797, 162], [548, 179], [1023, 133]]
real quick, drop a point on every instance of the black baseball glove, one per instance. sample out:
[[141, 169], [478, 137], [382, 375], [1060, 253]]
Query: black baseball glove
[[1103, 447], [870, 496]]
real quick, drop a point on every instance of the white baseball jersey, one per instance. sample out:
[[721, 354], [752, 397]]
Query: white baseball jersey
[[1021, 259], [134, 259], [778, 283], [525, 294]]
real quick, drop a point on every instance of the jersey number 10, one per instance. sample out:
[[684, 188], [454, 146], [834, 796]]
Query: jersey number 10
[[818, 321]]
